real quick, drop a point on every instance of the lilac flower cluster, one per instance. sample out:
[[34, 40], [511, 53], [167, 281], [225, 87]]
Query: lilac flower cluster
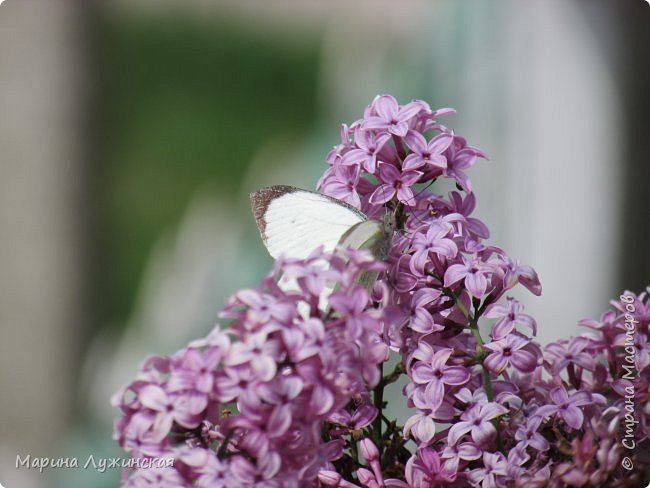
[[292, 394], [245, 406]]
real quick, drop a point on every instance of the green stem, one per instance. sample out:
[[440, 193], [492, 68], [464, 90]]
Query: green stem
[[221, 453], [401, 152], [573, 378], [473, 326], [480, 352], [400, 217], [354, 450], [487, 382], [394, 375], [480, 356], [379, 405]]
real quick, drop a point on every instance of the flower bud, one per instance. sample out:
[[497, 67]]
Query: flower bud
[[329, 478], [368, 450], [366, 478]]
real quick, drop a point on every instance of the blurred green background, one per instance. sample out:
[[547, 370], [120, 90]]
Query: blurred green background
[[185, 105]]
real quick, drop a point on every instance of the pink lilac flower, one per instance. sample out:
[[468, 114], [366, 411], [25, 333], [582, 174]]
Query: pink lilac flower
[[234, 382], [432, 370], [343, 184], [476, 422], [474, 272], [471, 398], [369, 146], [426, 470], [353, 305], [570, 352], [421, 319], [394, 183], [263, 308], [305, 340], [492, 475], [421, 426], [460, 157], [517, 273], [260, 351], [390, 116], [356, 420], [465, 206], [528, 435], [435, 240], [140, 439], [426, 153], [213, 475], [183, 408], [509, 316], [195, 370], [565, 406], [510, 351], [462, 452]]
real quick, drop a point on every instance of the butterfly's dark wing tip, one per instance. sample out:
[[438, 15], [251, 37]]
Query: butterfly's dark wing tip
[[262, 198]]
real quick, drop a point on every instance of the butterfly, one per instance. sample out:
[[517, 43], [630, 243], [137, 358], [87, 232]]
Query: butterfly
[[294, 222]]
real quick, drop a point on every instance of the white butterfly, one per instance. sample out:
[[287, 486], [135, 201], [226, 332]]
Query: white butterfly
[[294, 222]]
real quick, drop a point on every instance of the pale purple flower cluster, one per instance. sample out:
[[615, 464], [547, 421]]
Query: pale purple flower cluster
[[246, 405], [497, 395], [382, 156], [293, 394]]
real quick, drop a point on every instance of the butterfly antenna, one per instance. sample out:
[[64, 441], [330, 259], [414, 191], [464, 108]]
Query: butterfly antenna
[[422, 190]]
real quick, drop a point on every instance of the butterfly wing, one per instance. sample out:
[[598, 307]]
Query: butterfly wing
[[372, 235], [294, 222]]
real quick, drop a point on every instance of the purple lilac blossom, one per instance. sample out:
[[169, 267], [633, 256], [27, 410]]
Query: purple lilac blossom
[[281, 399]]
